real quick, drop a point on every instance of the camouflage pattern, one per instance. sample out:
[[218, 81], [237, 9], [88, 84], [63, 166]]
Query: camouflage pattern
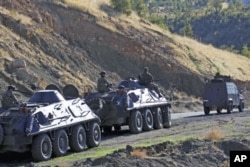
[[154, 87], [103, 85], [9, 100], [146, 79], [131, 104]]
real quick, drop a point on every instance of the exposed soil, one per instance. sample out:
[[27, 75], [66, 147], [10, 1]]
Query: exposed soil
[[199, 150]]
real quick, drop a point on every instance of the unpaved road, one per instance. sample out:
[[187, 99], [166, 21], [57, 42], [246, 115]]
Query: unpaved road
[[198, 147], [184, 126]]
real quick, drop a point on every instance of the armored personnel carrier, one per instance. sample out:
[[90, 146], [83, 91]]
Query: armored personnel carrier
[[48, 125], [221, 93], [130, 104]]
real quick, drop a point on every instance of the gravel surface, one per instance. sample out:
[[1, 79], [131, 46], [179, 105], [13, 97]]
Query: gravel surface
[[186, 143]]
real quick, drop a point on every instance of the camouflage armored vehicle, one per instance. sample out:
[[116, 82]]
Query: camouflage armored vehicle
[[130, 104], [48, 125], [221, 93]]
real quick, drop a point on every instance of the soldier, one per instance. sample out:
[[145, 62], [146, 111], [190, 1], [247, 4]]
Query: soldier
[[102, 84], [146, 79], [9, 99]]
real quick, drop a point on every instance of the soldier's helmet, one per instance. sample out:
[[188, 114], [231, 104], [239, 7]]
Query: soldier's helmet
[[102, 73], [121, 87], [11, 87], [33, 86]]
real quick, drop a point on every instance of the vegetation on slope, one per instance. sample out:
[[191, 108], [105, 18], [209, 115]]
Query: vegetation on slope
[[224, 24], [62, 50]]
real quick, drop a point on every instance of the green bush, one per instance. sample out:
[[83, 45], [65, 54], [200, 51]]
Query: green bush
[[159, 20], [123, 6], [140, 7], [245, 51]]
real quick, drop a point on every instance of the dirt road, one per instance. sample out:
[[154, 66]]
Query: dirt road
[[184, 125], [198, 147], [192, 128]]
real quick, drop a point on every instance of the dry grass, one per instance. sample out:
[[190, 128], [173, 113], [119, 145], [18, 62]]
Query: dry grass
[[91, 6], [214, 134], [225, 164], [138, 153], [17, 16], [212, 60], [208, 60]]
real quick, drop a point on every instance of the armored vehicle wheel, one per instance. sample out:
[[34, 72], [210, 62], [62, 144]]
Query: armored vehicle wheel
[[93, 135], [61, 143], [241, 107], [166, 117], [219, 110], [117, 128], [148, 120], [77, 139], [107, 129], [206, 110], [41, 148], [229, 107], [1, 134], [158, 118], [135, 122]]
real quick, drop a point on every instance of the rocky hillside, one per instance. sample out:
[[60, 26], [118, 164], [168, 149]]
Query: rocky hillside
[[43, 42]]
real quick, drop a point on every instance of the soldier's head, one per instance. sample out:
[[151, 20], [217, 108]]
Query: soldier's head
[[33, 86], [11, 87], [121, 89], [146, 69], [102, 74]]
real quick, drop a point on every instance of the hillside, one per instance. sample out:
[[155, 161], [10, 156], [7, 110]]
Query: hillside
[[222, 23], [69, 43]]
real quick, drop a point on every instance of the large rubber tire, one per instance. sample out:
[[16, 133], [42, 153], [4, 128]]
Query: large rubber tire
[[60, 144], [93, 135], [158, 123], [135, 122], [41, 149], [148, 121], [107, 129], [77, 141], [117, 128], [1, 134], [241, 106], [230, 107], [166, 117], [206, 110], [219, 110]]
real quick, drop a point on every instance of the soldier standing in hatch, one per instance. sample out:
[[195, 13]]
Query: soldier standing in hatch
[[146, 79], [102, 84], [9, 99]]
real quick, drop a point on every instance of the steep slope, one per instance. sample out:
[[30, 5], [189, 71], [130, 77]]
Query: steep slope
[[72, 42]]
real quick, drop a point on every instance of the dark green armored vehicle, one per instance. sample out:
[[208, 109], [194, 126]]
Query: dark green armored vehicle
[[221, 93], [49, 124], [130, 104]]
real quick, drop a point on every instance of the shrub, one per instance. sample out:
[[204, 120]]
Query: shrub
[[138, 153], [123, 6], [245, 51], [214, 134]]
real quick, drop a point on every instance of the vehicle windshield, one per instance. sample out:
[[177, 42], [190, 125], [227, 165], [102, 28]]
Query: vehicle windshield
[[46, 97]]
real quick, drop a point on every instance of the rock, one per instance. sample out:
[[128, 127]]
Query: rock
[[23, 75], [19, 63]]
